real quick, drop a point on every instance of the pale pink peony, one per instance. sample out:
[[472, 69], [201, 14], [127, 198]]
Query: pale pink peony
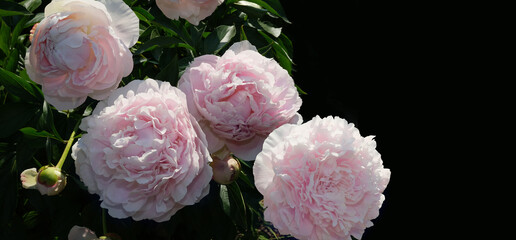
[[321, 179], [143, 153], [192, 10], [81, 49], [240, 98]]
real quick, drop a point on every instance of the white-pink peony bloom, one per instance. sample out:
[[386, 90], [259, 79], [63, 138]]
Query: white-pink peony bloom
[[192, 10], [321, 179], [144, 154], [239, 98], [81, 49]]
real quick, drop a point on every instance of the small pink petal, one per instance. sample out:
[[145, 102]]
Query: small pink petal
[[28, 178]]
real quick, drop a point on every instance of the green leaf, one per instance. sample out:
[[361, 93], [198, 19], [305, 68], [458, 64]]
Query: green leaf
[[243, 176], [12, 60], [252, 9], [36, 19], [26, 147], [171, 72], [300, 91], [196, 34], [20, 25], [29, 131], [19, 86], [286, 44], [5, 33], [162, 41], [266, 26], [274, 7], [219, 38], [31, 5], [233, 203], [281, 54], [30, 219], [261, 237], [14, 116], [12, 9], [47, 120], [156, 42], [143, 14], [224, 197], [238, 207], [175, 28]]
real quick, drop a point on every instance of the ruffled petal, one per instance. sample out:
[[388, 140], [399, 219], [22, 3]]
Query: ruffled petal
[[125, 22], [248, 149], [81, 233], [242, 46], [28, 178]]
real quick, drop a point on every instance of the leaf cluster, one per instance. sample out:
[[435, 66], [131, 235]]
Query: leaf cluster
[[166, 47]]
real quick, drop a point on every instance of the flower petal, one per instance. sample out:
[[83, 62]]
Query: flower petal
[[81, 233], [248, 149], [242, 46], [56, 6], [28, 178], [64, 103], [125, 22]]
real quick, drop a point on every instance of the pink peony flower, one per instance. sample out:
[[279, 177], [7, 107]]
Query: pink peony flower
[[192, 10], [240, 98], [321, 179], [81, 49], [143, 153]]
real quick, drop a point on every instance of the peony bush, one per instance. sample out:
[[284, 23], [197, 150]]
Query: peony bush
[[170, 119]]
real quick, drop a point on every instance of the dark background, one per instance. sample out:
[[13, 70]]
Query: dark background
[[352, 60]]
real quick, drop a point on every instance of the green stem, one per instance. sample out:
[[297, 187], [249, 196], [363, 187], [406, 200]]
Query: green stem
[[68, 146], [104, 225]]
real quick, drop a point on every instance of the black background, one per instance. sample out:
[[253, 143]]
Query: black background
[[351, 59]]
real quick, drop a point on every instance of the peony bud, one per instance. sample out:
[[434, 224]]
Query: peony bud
[[49, 176], [225, 171], [49, 180]]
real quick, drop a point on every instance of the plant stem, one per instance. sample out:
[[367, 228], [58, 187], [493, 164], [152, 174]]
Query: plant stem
[[68, 146], [104, 225]]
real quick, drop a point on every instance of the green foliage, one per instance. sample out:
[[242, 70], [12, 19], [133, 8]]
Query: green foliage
[[32, 132]]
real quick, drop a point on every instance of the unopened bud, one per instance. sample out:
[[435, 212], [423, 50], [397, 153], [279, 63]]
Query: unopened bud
[[49, 176], [48, 180], [225, 171], [51, 180]]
